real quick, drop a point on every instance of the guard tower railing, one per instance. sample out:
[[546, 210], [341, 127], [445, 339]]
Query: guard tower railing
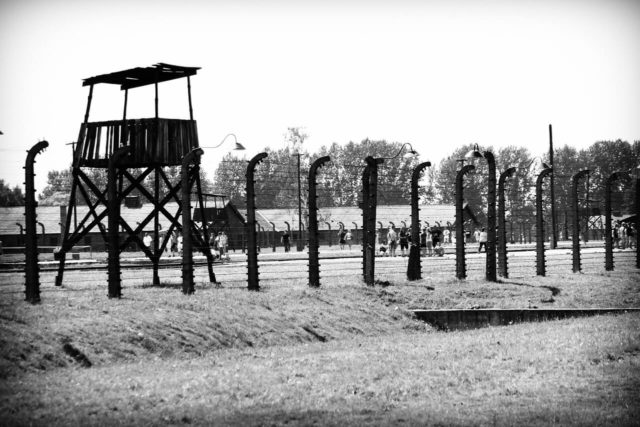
[[163, 142]]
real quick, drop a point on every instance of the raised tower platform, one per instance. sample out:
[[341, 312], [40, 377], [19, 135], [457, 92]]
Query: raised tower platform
[[133, 151]]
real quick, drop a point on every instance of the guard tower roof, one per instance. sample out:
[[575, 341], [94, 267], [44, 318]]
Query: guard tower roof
[[136, 77]]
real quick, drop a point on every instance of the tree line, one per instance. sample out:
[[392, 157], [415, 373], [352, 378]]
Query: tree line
[[340, 181]]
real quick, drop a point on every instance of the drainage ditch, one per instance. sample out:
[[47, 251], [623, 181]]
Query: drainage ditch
[[452, 320]]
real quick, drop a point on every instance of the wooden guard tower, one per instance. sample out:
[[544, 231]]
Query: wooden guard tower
[[133, 150]]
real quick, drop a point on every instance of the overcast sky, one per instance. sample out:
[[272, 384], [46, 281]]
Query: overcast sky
[[437, 74]]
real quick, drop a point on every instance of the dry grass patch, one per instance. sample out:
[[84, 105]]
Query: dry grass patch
[[75, 325], [571, 372]]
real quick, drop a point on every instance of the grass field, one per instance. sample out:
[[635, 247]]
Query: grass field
[[342, 354]]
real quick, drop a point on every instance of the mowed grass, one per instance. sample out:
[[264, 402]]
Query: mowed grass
[[571, 372], [342, 354]]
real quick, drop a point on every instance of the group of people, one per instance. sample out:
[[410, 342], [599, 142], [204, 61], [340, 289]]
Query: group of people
[[624, 235], [174, 243], [220, 245], [344, 238], [430, 242], [219, 242]]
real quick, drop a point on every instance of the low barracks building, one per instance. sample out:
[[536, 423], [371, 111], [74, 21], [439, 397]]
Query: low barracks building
[[222, 215]]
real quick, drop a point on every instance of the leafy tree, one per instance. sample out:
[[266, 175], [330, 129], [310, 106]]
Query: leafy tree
[[605, 158], [10, 196], [567, 162], [294, 138], [57, 189], [276, 176], [229, 179], [340, 181], [518, 188]]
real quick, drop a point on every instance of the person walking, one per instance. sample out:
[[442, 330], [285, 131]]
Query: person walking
[[216, 245], [632, 236], [223, 244], [392, 240], [483, 240], [174, 244], [622, 234], [347, 238], [615, 235], [286, 240], [148, 240], [167, 247], [423, 242], [404, 241], [435, 237], [342, 238], [447, 235]]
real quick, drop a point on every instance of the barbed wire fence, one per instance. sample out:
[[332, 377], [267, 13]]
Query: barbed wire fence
[[520, 226]]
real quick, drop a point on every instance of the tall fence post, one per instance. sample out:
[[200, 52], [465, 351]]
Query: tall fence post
[[554, 231], [330, 236], [414, 270], [369, 223], [503, 263], [193, 157], [491, 219], [637, 230], [541, 268], [314, 264], [365, 216], [273, 227], [252, 244], [608, 244], [577, 267], [31, 268], [289, 232], [461, 262], [354, 237], [113, 256], [260, 232]]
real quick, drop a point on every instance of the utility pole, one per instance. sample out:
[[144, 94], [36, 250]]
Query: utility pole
[[554, 235], [300, 243]]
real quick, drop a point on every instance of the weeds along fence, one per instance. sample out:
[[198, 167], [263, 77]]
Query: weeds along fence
[[260, 257]]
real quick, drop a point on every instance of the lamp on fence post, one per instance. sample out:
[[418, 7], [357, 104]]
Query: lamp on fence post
[[491, 211], [238, 146]]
